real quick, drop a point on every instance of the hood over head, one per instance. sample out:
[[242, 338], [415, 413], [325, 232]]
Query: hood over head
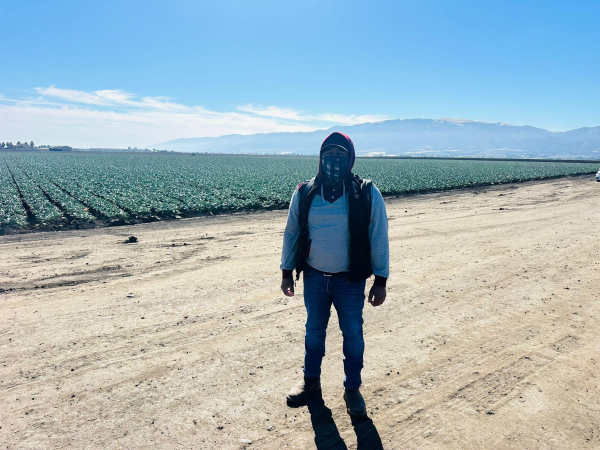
[[338, 140]]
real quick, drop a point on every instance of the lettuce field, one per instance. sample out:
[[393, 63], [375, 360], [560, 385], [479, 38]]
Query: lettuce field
[[54, 190]]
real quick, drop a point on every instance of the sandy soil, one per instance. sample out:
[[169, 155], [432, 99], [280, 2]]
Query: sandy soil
[[490, 337]]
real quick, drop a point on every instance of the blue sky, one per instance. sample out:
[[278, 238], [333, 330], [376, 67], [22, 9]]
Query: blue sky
[[120, 73]]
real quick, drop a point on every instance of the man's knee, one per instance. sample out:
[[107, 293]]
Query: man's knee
[[316, 324], [319, 332], [352, 330], [314, 342]]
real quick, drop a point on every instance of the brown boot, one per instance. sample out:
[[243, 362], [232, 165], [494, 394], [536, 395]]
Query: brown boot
[[355, 403], [301, 391]]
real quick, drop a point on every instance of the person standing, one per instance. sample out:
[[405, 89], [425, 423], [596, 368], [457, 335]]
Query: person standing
[[337, 235]]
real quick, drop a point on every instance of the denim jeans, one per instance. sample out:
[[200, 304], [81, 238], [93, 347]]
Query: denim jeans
[[320, 291]]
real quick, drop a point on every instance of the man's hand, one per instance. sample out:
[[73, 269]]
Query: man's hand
[[287, 286], [377, 295]]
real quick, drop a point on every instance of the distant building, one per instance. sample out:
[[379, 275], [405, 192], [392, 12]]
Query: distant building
[[61, 148]]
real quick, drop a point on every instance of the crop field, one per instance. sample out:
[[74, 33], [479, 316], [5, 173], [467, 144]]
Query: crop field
[[54, 190]]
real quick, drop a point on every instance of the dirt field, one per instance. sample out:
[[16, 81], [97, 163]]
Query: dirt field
[[489, 338]]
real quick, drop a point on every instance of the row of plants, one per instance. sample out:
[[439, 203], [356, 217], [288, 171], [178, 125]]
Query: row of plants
[[88, 187]]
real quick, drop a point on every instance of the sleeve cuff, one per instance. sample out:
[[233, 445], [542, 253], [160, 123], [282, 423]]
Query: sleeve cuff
[[380, 281], [285, 273]]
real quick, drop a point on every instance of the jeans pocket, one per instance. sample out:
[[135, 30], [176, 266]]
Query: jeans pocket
[[356, 285]]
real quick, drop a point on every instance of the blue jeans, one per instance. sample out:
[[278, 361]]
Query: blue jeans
[[320, 291]]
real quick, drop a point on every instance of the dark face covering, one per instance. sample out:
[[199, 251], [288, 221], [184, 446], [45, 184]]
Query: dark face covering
[[334, 165]]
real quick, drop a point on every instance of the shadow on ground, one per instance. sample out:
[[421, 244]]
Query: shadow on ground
[[327, 435]]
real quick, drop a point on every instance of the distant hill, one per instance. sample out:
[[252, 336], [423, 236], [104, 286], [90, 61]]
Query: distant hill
[[416, 137]]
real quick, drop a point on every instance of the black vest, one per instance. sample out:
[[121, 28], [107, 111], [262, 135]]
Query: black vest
[[359, 216]]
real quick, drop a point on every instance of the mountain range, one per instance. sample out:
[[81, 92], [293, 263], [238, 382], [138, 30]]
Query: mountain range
[[413, 137]]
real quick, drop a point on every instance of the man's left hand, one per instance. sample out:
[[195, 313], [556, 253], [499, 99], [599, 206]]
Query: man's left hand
[[377, 295]]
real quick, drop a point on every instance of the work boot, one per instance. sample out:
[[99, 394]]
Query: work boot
[[355, 403], [301, 391]]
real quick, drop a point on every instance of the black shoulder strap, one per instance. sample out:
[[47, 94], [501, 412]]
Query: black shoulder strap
[[304, 188], [306, 192], [365, 191]]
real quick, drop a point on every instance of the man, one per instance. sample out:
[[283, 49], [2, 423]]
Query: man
[[337, 234]]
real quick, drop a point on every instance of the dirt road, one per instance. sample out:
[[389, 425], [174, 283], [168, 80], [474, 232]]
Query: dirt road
[[489, 338]]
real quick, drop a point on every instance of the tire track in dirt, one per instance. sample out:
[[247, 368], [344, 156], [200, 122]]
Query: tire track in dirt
[[483, 395], [162, 339]]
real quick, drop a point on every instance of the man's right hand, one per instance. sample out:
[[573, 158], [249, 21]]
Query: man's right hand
[[287, 286]]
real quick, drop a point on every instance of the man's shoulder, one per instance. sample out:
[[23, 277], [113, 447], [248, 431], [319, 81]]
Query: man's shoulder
[[304, 183], [363, 181], [375, 192], [366, 183]]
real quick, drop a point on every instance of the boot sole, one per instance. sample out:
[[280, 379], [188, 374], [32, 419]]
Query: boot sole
[[354, 413], [302, 401]]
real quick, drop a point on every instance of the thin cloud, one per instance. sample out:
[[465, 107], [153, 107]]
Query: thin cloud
[[81, 127], [349, 120], [110, 97], [116, 118], [274, 111], [104, 97], [292, 114]]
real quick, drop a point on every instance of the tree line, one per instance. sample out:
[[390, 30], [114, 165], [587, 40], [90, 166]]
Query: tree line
[[19, 144]]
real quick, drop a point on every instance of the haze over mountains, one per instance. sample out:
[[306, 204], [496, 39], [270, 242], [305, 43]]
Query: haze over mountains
[[414, 137]]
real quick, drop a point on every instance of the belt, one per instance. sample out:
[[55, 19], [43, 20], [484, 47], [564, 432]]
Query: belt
[[329, 274]]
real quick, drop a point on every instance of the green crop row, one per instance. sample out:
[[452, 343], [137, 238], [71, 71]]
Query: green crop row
[[88, 186], [12, 213], [43, 210]]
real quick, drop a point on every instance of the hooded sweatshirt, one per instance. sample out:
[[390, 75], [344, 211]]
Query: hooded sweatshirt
[[328, 231]]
